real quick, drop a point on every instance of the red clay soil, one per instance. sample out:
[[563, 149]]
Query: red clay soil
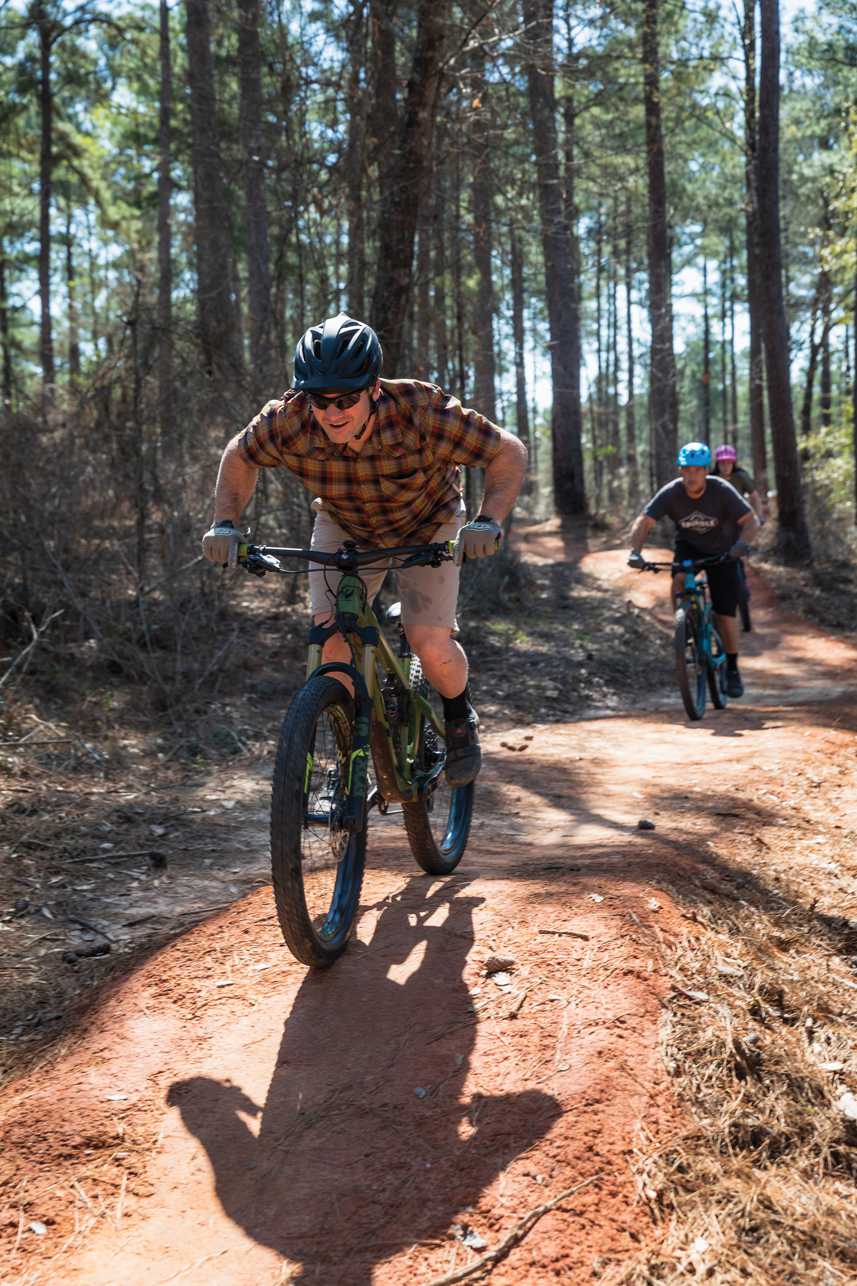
[[226, 1116]]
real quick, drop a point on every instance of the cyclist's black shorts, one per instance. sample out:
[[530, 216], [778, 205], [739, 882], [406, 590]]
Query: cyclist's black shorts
[[724, 581]]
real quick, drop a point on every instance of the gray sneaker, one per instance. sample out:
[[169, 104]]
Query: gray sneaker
[[463, 752]]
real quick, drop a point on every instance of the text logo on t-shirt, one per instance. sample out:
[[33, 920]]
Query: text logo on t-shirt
[[697, 521]]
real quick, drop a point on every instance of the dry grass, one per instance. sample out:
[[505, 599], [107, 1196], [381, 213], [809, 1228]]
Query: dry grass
[[760, 1040]]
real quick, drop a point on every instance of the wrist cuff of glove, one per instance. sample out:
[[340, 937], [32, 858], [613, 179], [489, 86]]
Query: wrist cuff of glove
[[223, 522], [486, 518]]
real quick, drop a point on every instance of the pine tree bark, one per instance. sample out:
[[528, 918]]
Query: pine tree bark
[[706, 357], [826, 381], [73, 317], [663, 390], [218, 321], [404, 188], [484, 367], [522, 414], [558, 254], [441, 330], [167, 422], [254, 152], [48, 32], [732, 434], [793, 534], [358, 104], [631, 457], [5, 337], [755, 301], [854, 389]]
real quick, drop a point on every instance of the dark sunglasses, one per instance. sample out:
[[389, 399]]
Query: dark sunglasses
[[341, 401]]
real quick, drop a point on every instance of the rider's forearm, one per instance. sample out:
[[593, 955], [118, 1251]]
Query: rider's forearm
[[749, 525], [504, 477], [640, 531], [236, 481]]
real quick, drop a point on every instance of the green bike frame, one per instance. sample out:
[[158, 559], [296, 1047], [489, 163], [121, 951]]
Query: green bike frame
[[394, 743]]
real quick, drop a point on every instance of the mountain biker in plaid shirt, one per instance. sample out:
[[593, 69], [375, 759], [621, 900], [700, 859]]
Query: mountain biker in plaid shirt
[[382, 459]]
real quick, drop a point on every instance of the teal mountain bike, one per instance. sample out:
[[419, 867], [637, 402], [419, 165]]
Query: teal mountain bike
[[344, 750], [700, 657]]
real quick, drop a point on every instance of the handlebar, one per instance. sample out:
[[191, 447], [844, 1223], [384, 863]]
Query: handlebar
[[260, 559], [689, 564]]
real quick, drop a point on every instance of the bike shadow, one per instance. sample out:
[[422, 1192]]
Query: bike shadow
[[368, 1142]]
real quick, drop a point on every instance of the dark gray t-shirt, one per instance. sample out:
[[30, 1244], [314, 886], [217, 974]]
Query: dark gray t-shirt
[[709, 524]]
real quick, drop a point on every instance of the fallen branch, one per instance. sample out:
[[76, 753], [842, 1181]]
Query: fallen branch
[[566, 933], [517, 1234], [111, 857], [23, 656]]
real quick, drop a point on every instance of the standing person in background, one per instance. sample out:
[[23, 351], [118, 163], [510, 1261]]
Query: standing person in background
[[382, 459]]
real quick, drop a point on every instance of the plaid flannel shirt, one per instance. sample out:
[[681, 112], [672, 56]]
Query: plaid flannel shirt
[[403, 483]]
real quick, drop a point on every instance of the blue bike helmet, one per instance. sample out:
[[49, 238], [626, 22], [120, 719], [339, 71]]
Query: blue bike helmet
[[694, 455], [339, 353]]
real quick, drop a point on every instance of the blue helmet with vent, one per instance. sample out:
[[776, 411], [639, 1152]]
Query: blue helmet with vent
[[339, 353], [694, 455]]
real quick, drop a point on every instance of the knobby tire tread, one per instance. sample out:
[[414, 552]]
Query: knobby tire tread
[[423, 844], [692, 692], [287, 813]]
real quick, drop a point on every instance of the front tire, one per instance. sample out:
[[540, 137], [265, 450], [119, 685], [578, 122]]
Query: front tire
[[317, 866], [717, 673], [690, 666], [438, 823]]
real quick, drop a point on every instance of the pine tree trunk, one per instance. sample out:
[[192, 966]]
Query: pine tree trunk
[[631, 458], [254, 153], [558, 253], [732, 434], [722, 281], [47, 34], [826, 384], [522, 416], [616, 469], [793, 534], [218, 320], [422, 327], [663, 390], [170, 445], [71, 304], [358, 104], [705, 382], [754, 281], [854, 390], [441, 332], [809, 379], [484, 369], [598, 408], [5, 339], [404, 188]]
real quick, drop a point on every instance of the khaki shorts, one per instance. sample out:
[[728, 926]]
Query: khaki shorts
[[428, 594]]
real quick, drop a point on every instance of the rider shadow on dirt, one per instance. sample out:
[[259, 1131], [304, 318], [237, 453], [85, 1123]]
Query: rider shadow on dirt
[[367, 1143]]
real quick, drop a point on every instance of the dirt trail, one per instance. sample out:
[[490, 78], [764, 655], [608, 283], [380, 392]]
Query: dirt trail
[[227, 1117]]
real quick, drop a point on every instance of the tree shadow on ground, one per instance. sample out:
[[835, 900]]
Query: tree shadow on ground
[[364, 1145]]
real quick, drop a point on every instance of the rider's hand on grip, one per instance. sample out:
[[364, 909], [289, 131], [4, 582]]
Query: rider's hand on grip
[[220, 543], [480, 538], [739, 550]]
